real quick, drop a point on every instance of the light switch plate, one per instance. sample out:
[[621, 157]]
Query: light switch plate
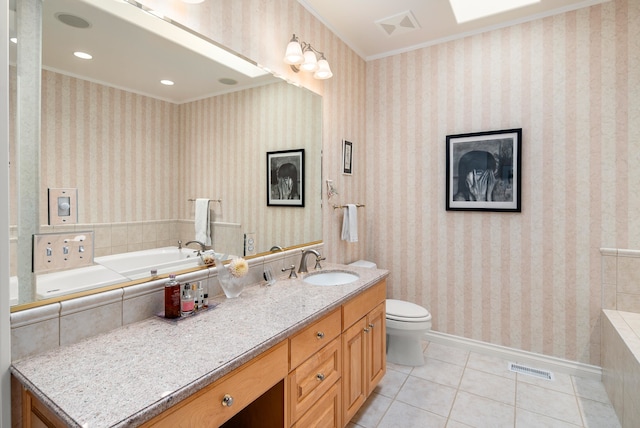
[[59, 251], [63, 206]]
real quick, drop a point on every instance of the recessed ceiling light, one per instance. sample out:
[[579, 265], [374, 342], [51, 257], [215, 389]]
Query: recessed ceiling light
[[83, 55], [73, 20], [166, 82], [469, 10], [227, 81]]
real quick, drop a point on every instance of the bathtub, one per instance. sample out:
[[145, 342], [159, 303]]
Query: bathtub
[[138, 264], [56, 284], [621, 363]]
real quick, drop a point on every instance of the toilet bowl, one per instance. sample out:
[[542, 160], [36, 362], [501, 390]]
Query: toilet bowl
[[406, 324]]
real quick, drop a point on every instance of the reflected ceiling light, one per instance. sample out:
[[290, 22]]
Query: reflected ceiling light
[[14, 40], [82, 55], [303, 56], [469, 10], [167, 82]]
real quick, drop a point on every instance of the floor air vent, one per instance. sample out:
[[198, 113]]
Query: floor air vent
[[542, 374]]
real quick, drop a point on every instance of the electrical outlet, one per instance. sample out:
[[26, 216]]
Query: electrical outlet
[[249, 243]]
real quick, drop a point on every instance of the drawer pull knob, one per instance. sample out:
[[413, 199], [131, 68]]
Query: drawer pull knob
[[320, 377], [320, 335], [227, 400], [366, 330], [370, 325]]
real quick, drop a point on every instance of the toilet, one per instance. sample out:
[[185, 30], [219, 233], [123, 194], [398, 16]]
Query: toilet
[[406, 324]]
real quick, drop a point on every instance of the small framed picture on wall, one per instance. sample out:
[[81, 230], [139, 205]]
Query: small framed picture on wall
[[285, 178], [347, 157]]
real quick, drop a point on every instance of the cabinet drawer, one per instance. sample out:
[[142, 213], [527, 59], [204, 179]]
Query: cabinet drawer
[[244, 385], [314, 337], [360, 305], [314, 377], [326, 412]]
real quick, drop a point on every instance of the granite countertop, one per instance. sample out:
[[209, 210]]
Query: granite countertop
[[131, 374]]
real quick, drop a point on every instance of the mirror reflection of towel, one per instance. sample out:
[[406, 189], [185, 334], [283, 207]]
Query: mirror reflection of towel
[[202, 223], [350, 223]]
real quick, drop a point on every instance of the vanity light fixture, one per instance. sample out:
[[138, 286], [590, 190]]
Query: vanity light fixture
[[303, 56]]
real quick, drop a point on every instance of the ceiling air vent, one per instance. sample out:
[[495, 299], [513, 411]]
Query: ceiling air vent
[[398, 24]]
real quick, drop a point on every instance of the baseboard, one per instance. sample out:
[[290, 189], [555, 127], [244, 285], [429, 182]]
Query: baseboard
[[517, 356]]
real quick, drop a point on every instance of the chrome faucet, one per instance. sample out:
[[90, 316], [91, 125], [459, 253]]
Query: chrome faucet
[[202, 246], [303, 260]]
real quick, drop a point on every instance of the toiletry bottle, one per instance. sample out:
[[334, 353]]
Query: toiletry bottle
[[200, 293], [205, 301], [196, 297], [172, 298], [187, 300]]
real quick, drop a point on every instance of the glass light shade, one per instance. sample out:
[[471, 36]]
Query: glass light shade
[[323, 71], [293, 54], [310, 61]]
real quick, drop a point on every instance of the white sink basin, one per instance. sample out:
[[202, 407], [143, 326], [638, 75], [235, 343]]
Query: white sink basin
[[331, 278]]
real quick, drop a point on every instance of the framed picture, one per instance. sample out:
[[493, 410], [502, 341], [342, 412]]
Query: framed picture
[[285, 178], [347, 157], [484, 171]]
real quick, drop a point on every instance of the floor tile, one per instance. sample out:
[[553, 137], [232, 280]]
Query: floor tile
[[427, 395], [456, 424], [548, 402], [490, 364], [561, 382], [399, 367], [372, 411], [439, 372], [391, 383], [527, 419], [596, 414], [488, 385], [446, 353], [402, 415], [590, 388], [481, 412]]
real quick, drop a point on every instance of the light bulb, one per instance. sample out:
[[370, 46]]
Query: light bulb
[[310, 61], [294, 53], [323, 71]]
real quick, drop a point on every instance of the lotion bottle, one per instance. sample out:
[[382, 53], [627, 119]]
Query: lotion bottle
[[172, 298]]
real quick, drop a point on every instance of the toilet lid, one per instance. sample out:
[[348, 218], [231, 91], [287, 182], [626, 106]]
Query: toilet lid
[[400, 309]]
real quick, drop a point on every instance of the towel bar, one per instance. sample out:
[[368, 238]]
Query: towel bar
[[344, 206]]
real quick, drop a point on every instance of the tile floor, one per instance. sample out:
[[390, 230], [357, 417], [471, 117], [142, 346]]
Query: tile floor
[[460, 389]]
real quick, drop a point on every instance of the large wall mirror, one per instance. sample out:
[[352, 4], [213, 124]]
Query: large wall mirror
[[139, 152]]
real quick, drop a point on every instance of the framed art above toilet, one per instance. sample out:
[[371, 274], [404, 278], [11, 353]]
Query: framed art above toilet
[[484, 171]]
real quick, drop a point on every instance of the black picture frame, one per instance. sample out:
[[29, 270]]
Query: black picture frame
[[347, 157], [285, 178], [492, 164]]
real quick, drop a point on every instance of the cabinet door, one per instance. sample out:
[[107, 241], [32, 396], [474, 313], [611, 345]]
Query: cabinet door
[[354, 376], [376, 355], [325, 413]]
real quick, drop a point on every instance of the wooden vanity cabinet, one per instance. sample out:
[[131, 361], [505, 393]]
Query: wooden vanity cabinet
[[363, 347], [319, 377], [220, 401]]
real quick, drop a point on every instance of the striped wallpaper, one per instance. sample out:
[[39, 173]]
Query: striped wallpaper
[[530, 280]]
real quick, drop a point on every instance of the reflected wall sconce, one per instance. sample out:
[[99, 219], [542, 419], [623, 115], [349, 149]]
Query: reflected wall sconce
[[303, 56]]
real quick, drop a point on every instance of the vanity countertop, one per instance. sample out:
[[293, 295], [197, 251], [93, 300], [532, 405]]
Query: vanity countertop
[[131, 374]]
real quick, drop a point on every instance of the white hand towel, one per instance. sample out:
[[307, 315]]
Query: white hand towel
[[202, 222], [350, 223]]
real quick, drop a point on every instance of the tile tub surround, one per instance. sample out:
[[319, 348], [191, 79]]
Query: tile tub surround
[[621, 363], [620, 279], [131, 374]]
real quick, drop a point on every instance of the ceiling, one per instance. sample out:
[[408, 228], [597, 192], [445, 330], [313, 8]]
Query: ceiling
[[358, 22], [133, 50]]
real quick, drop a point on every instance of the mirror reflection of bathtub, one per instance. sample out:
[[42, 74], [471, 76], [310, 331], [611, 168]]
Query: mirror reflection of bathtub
[[111, 270]]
